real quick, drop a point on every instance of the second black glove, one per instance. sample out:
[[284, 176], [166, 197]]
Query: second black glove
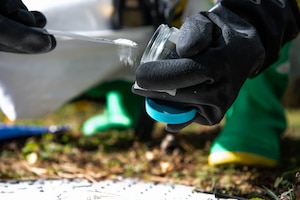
[[16, 34]]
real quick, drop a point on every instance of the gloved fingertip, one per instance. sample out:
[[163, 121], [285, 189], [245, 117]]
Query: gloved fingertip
[[23, 16], [43, 44], [52, 43], [142, 74], [195, 35], [40, 19], [173, 128]]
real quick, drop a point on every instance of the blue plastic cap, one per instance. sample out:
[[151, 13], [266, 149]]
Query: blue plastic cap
[[168, 114]]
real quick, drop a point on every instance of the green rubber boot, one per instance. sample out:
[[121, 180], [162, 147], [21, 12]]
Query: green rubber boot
[[255, 122], [122, 109]]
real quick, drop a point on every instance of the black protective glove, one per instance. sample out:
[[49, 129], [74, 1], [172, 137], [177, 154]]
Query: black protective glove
[[218, 50], [16, 35]]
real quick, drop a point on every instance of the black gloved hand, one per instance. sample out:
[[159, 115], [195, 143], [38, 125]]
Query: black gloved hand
[[218, 51], [16, 35]]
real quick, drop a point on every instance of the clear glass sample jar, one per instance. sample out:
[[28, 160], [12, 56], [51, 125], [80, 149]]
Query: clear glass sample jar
[[161, 45]]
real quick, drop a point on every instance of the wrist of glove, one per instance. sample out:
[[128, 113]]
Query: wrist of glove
[[276, 21], [16, 34], [218, 50]]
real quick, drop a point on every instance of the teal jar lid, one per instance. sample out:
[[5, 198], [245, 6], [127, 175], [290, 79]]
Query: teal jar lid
[[168, 114]]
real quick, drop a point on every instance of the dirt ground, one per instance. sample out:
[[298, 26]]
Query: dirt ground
[[118, 153]]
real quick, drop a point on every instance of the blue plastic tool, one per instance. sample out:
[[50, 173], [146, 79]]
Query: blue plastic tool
[[14, 131]]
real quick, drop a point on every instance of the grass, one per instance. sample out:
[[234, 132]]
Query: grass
[[116, 153]]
